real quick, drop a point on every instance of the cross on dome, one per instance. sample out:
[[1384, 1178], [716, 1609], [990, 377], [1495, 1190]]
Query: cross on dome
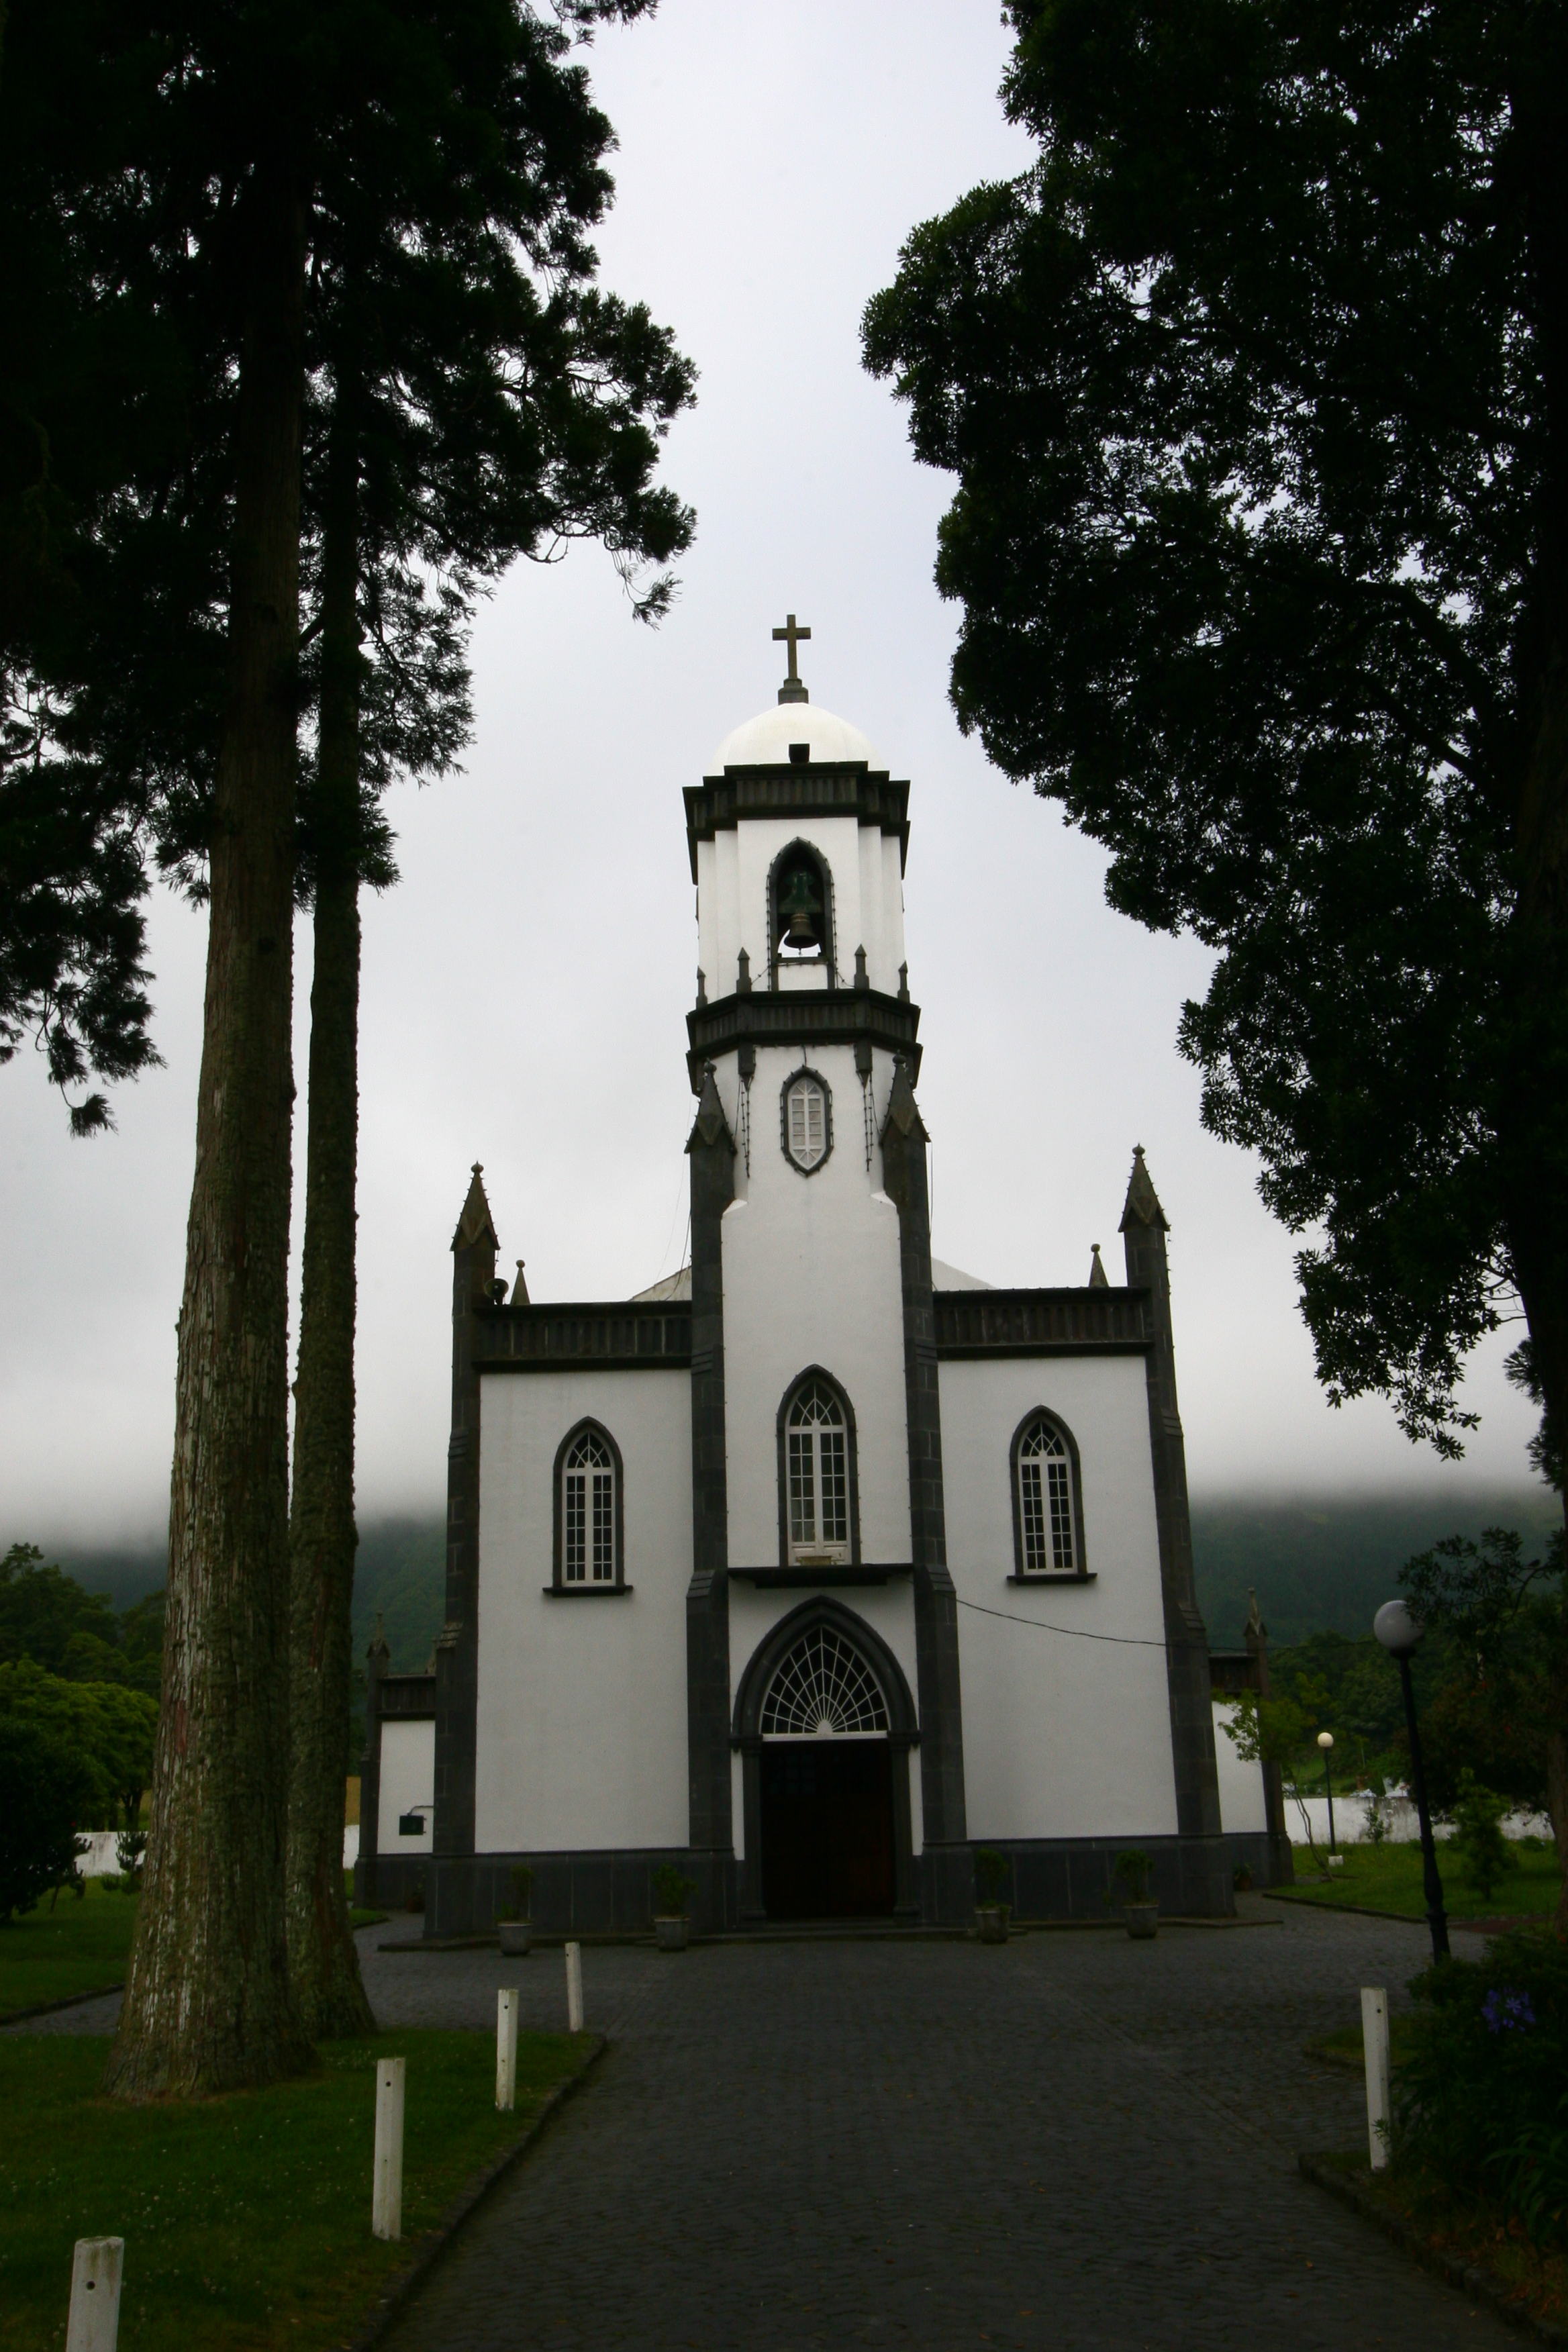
[[791, 634]]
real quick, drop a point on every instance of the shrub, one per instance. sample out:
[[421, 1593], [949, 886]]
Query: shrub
[[1478, 1845], [993, 1873], [671, 1891], [522, 1893], [130, 1851], [46, 1789], [1134, 1872], [1481, 2091]]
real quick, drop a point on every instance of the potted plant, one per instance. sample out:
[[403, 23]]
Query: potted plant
[[1138, 1907], [992, 1872], [671, 1920], [515, 1927]]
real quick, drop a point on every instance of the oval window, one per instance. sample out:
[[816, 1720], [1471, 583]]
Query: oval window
[[806, 1140]]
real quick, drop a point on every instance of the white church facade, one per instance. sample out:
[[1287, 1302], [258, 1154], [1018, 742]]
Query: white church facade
[[821, 1565]]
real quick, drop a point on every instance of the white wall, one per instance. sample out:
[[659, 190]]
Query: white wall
[[582, 1702], [407, 1779], [733, 898], [1062, 1737], [811, 1277], [1241, 1805]]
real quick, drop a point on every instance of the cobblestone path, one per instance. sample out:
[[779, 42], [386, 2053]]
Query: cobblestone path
[[1075, 2142]]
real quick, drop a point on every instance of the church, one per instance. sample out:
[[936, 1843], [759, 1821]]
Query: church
[[886, 1565]]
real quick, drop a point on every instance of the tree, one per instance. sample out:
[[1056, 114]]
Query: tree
[[1256, 387], [107, 1728], [42, 1802], [478, 400]]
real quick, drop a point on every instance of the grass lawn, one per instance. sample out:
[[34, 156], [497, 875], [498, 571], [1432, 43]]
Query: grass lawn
[[81, 1946], [1388, 1878], [246, 2219]]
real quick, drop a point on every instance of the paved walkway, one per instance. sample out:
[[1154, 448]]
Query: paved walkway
[[1075, 2142]]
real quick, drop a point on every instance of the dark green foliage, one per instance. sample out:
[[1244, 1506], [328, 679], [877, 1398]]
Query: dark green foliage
[[672, 1891], [1479, 1846], [108, 1729], [46, 1796], [1480, 2093], [1133, 1874], [1261, 542], [993, 1875], [1501, 1620], [45, 1615]]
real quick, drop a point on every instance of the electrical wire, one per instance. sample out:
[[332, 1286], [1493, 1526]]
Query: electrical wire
[[1074, 1632]]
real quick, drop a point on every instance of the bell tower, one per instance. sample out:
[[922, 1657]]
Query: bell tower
[[811, 1253]]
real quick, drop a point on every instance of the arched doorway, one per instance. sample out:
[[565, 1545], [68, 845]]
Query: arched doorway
[[825, 1726]]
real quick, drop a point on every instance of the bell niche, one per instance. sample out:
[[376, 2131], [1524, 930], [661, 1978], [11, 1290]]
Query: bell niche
[[801, 909]]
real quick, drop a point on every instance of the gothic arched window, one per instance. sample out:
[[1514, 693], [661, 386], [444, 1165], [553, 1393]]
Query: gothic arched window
[[822, 1686], [819, 1504], [806, 1110], [800, 910], [1047, 1507], [588, 1517]]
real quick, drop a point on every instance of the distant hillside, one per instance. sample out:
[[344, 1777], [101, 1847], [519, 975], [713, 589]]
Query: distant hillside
[[1324, 1563], [1319, 1563]]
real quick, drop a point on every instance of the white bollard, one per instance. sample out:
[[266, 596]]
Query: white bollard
[[386, 2197], [506, 2047], [94, 2322], [1374, 2042], [573, 1987]]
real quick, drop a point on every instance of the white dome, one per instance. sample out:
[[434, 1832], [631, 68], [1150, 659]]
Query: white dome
[[763, 742]]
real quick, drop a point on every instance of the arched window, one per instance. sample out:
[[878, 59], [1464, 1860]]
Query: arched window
[[1047, 1509], [823, 1687], [816, 1477], [800, 910], [808, 1121], [588, 1512]]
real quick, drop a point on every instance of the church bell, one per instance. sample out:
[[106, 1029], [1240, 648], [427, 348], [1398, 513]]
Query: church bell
[[800, 906]]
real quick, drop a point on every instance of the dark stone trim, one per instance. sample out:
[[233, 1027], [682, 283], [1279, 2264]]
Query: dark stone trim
[[457, 1650], [376, 1658], [804, 1017], [586, 1591], [904, 1177], [781, 1579], [817, 787], [591, 1891], [851, 1447], [1056, 1575], [406, 1698], [711, 1151], [1075, 1878], [557, 1473], [1086, 1321], [595, 1334], [805, 1071], [903, 1734], [1186, 1642]]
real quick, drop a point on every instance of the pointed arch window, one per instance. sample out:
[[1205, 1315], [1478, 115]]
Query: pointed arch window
[[808, 1121], [589, 1516], [1048, 1506], [823, 1687], [819, 1504], [799, 911]]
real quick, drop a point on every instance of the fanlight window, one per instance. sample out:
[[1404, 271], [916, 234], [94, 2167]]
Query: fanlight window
[[823, 1688], [817, 1467], [805, 1122], [588, 1512], [1049, 1535]]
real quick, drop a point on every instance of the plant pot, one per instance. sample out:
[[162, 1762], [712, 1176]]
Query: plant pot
[[516, 1937], [991, 1922], [672, 1935], [1142, 1919]]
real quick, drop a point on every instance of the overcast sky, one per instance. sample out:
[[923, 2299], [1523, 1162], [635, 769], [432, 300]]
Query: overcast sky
[[525, 987]]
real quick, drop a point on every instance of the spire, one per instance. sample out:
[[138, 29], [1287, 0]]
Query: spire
[[378, 1649], [520, 1288], [474, 1225], [1142, 1206], [1255, 1629], [1098, 1277], [903, 1111], [710, 1126]]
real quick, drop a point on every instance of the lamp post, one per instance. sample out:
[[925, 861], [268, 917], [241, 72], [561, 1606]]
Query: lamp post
[[1326, 1742], [1400, 1634]]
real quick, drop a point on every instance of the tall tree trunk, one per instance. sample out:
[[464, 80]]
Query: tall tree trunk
[[207, 2005], [1536, 1131], [324, 1965]]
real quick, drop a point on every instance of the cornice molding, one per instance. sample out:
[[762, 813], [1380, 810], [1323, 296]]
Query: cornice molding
[[815, 788], [802, 1016]]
